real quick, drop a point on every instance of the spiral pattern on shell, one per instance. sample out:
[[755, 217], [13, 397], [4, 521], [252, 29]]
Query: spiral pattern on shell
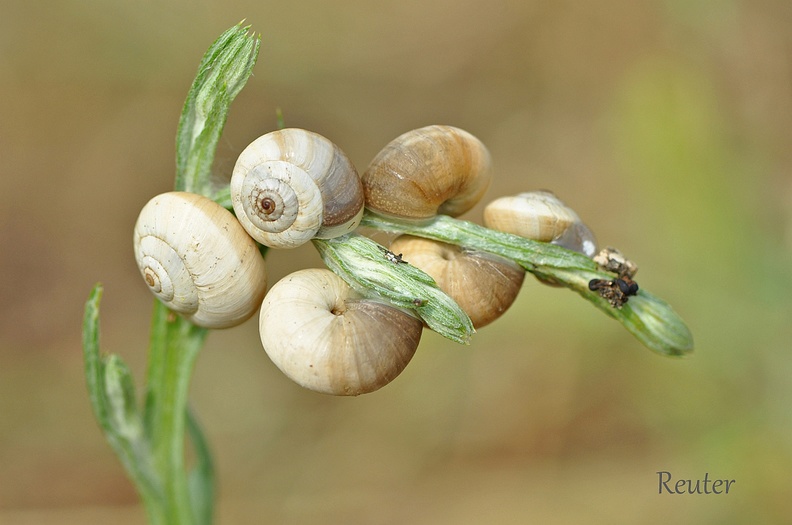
[[426, 171], [292, 185], [326, 337], [196, 258]]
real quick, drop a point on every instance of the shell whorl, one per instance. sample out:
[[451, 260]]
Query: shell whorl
[[426, 171], [292, 185], [196, 258]]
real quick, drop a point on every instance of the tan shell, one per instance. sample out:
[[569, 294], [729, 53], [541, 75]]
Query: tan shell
[[541, 216], [197, 259], [484, 285], [327, 338], [426, 171], [292, 185]]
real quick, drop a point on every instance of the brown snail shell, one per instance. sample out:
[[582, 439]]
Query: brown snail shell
[[541, 216], [428, 171], [484, 285]]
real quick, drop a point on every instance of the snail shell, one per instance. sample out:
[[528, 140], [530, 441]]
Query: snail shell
[[197, 259], [541, 216], [483, 285], [327, 338], [426, 171], [292, 185]]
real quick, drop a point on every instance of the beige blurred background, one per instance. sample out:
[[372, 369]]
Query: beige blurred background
[[665, 124]]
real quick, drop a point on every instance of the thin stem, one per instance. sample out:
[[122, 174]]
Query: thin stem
[[175, 344], [151, 443], [647, 317], [531, 255]]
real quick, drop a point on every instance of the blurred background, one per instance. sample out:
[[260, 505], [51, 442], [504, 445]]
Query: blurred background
[[665, 124]]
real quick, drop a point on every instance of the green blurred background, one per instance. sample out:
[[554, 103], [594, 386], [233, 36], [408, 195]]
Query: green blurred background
[[665, 124]]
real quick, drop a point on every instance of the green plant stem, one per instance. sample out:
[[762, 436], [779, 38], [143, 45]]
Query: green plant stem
[[531, 255], [150, 443], [174, 346], [647, 317]]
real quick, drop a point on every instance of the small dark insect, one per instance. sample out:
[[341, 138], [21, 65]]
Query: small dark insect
[[617, 291], [627, 285], [392, 257]]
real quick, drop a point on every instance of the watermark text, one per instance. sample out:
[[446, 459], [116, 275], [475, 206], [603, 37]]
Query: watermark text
[[692, 486]]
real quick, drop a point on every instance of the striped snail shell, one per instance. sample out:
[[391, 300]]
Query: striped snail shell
[[541, 216], [196, 258], [292, 185], [483, 284], [428, 171]]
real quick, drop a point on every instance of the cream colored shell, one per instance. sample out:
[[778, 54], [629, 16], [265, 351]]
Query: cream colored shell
[[327, 338], [428, 171], [541, 216], [484, 285], [197, 260], [292, 185]]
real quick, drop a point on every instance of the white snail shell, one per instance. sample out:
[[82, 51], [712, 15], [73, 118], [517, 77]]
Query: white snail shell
[[327, 338], [483, 285], [292, 185], [426, 171], [197, 259], [541, 216]]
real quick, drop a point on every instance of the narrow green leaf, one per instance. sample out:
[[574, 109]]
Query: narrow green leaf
[[656, 325], [525, 252], [121, 403], [362, 263], [133, 452], [223, 72], [648, 318], [94, 367]]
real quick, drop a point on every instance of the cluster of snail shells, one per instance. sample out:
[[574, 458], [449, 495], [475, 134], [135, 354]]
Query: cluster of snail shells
[[443, 170], [357, 345], [202, 262], [292, 185], [288, 186]]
